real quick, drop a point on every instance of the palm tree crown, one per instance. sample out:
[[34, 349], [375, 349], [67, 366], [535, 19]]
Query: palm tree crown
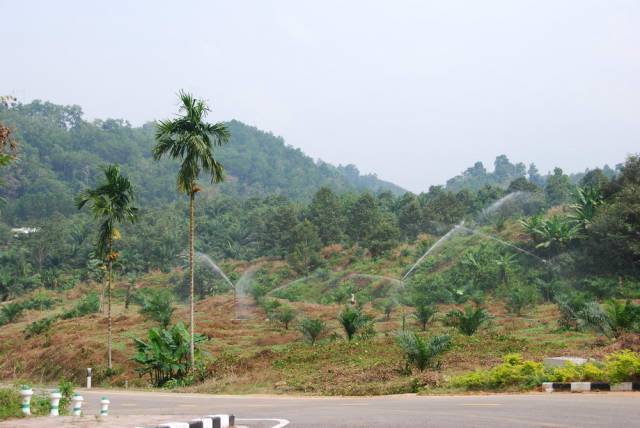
[[191, 140], [111, 202]]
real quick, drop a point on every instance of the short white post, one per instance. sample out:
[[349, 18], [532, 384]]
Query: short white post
[[88, 377], [26, 393], [104, 406], [77, 400], [55, 402]]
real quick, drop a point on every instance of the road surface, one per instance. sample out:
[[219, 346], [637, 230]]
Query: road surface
[[523, 410]]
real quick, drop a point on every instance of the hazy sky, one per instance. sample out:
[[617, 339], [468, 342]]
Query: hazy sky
[[415, 91]]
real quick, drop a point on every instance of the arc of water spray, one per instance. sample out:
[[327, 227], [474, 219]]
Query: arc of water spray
[[215, 267], [433, 247], [508, 244]]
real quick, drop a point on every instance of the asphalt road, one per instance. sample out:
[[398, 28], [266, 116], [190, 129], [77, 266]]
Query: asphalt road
[[526, 410]]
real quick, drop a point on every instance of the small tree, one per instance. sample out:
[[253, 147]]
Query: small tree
[[11, 312], [157, 305], [311, 329], [469, 321], [623, 317], [424, 313], [520, 298], [352, 320], [386, 306], [285, 315], [422, 353]]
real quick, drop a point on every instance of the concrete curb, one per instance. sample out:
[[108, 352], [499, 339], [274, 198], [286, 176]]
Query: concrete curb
[[589, 386], [211, 421]]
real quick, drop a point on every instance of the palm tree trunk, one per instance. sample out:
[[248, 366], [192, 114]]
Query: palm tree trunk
[[109, 266], [191, 275]]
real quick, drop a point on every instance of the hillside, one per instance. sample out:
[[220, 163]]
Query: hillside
[[60, 154]]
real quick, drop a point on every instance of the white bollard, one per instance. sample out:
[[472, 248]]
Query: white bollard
[[77, 400], [26, 393], [104, 406], [55, 402], [88, 377]]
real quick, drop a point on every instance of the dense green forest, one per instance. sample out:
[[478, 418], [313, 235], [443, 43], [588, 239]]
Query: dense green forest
[[60, 154]]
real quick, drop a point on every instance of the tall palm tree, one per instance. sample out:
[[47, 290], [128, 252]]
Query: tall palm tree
[[111, 202], [191, 140]]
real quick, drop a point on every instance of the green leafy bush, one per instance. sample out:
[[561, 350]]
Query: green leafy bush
[[422, 353], [284, 315], [41, 301], [157, 305], [424, 313], [569, 372], [89, 304], [623, 366], [165, 354], [40, 326], [10, 312], [469, 321], [513, 373], [352, 320], [312, 329], [10, 401], [519, 298], [386, 306]]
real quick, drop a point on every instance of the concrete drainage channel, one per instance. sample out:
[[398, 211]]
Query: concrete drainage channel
[[590, 386]]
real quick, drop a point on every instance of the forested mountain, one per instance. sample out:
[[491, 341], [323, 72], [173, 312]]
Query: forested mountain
[[505, 172], [61, 153]]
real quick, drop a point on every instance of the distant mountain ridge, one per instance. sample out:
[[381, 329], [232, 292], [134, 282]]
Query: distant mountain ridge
[[61, 153]]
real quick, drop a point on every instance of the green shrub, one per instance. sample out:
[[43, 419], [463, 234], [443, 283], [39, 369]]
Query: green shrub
[[622, 317], [519, 298], [66, 389], [570, 305], [156, 305], [312, 329], [41, 301], [284, 315], [513, 373], [386, 306], [10, 401], [10, 312], [40, 404], [623, 366], [352, 320], [422, 353], [469, 321], [423, 314], [36, 328], [165, 355], [89, 304], [588, 372], [270, 306]]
